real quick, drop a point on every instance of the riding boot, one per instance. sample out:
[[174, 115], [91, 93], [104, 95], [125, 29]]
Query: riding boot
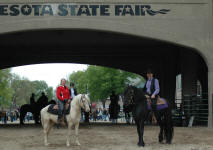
[[65, 118], [60, 118]]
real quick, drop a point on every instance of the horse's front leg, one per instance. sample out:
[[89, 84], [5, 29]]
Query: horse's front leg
[[140, 129], [76, 134], [69, 133], [142, 132]]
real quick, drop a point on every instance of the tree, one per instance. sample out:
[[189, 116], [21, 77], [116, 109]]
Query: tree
[[23, 89], [101, 81], [42, 86], [80, 79], [5, 90]]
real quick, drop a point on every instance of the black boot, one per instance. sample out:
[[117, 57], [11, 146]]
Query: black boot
[[59, 121], [60, 118], [65, 118]]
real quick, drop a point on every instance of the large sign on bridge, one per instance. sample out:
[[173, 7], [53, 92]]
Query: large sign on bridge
[[79, 10]]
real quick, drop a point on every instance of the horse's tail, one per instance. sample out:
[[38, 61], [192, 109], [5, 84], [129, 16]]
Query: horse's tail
[[42, 117], [169, 128]]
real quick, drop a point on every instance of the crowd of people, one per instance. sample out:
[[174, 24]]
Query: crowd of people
[[9, 116], [100, 114]]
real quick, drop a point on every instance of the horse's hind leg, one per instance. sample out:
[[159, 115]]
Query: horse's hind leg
[[51, 123], [160, 137], [46, 126], [161, 124]]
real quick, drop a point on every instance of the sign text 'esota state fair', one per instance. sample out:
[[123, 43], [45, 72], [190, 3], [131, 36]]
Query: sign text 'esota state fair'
[[79, 10]]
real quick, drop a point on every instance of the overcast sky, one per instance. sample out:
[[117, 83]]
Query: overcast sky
[[51, 73]]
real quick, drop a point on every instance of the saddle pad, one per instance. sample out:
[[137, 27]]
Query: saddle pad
[[159, 106], [55, 111]]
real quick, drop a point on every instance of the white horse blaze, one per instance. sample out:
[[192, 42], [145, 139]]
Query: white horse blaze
[[73, 118]]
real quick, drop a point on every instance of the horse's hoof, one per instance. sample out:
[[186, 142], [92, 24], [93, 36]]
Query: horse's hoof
[[141, 144], [78, 143], [47, 144], [161, 140], [68, 145], [168, 142]]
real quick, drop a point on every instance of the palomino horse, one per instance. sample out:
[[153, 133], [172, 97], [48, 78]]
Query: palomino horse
[[73, 118]]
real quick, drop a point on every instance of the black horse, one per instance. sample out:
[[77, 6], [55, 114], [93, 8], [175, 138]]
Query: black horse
[[34, 109], [136, 101]]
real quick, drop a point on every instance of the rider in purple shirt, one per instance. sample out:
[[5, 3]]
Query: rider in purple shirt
[[152, 88]]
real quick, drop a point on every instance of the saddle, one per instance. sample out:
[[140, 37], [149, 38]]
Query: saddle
[[160, 101], [53, 109]]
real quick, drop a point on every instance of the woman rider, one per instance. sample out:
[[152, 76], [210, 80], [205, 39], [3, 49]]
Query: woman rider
[[63, 96]]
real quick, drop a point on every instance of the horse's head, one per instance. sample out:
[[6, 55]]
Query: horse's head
[[129, 94], [84, 102]]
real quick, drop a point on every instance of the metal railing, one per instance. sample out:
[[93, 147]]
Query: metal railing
[[197, 106]]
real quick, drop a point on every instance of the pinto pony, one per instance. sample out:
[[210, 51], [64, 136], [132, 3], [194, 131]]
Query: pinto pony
[[139, 104], [73, 118]]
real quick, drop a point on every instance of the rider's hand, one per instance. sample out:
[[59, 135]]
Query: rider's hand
[[65, 101], [153, 96], [68, 101]]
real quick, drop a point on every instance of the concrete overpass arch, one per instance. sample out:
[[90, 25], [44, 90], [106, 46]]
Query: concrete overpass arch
[[104, 25], [107, 48]]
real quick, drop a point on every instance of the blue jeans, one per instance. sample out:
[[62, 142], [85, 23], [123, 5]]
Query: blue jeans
[[104, 117], [60, 108]]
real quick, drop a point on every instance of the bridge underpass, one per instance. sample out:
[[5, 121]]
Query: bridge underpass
[[117, 50]]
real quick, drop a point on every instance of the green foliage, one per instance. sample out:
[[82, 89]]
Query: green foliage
[[5, 90], [101, 81], [16, 89], [80, 79], [42, 86], [23, 89]]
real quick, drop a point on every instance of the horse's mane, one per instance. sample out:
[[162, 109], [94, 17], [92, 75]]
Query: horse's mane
[[78, 97], [139, 95]]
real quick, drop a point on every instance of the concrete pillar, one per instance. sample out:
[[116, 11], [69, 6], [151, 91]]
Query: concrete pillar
[[210, 94]]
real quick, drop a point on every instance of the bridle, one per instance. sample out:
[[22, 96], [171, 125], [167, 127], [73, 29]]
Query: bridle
[[130, 97], [82, 101]]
